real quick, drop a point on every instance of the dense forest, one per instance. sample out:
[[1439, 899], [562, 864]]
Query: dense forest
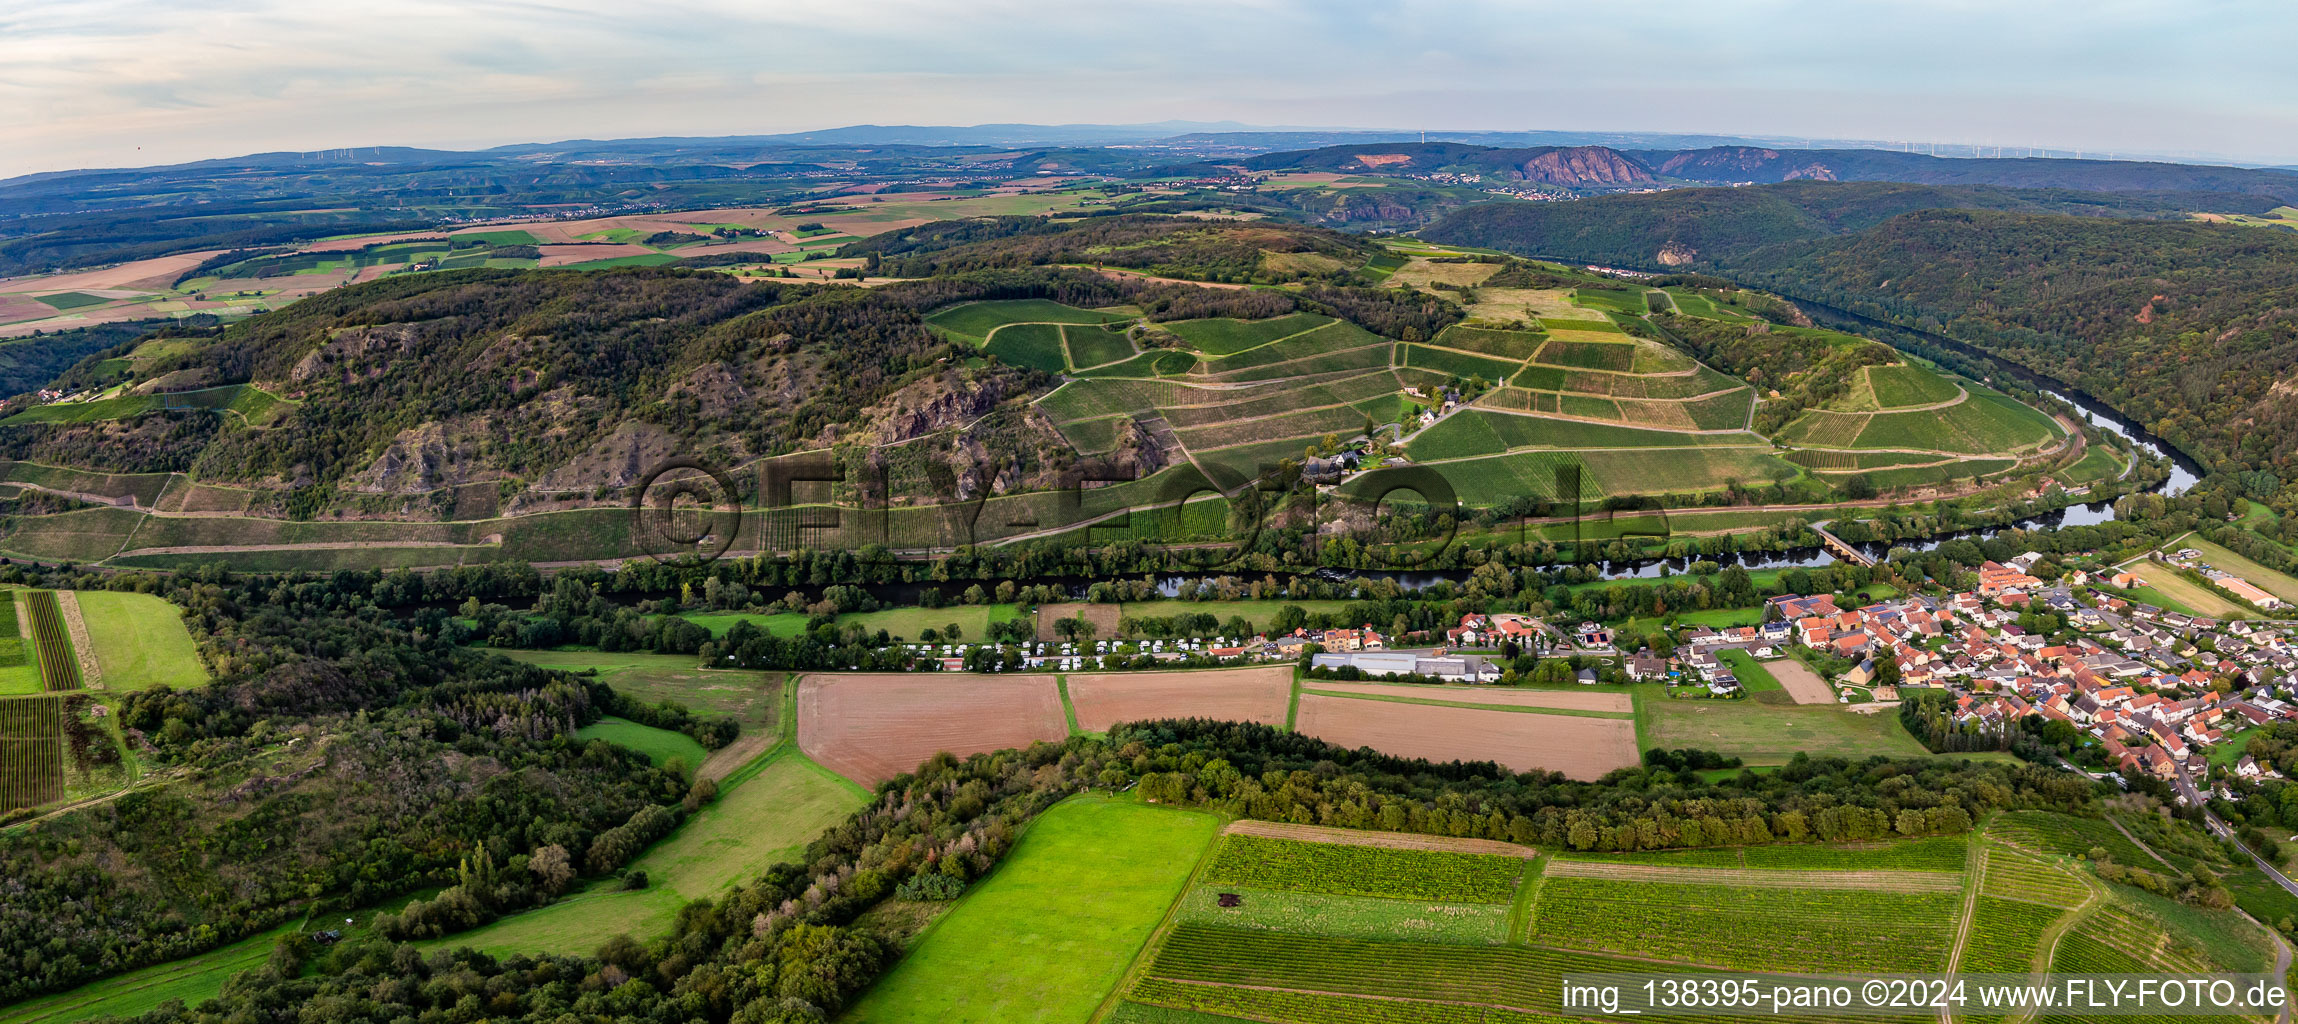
[[1195, 249], [1714, 226], [2189, 328]]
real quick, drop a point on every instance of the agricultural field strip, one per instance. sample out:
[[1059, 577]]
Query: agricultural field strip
[[1763, 928], [1344, 391], [1783, 878], [2013, 875], [1505, 411], [1350, 869], [1231, 375], [1647, 448], [59, 670], [1389, 840], [1265, 344], [1359, 974], [1309, 687], [1255, 418]]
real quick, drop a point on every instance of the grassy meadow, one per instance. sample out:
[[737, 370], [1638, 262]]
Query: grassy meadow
[[140, 641], [1056, 924]]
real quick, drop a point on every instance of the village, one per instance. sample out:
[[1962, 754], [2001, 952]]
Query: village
[[2160, 691]]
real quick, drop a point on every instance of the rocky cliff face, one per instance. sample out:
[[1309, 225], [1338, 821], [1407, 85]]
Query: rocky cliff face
[[1583, 165], [1745, 163]]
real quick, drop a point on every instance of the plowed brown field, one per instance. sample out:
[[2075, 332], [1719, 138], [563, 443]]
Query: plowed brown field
[[870, 728], [1237, 695], [1583, 748]]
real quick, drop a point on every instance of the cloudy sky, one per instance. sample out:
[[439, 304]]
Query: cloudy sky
[[126, 82]]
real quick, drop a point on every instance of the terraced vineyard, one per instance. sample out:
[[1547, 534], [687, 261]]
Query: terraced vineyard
[[1313, 941]]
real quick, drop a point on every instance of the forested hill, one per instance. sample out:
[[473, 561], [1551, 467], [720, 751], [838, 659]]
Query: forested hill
[[500, 391], [1754, 164], [1717, 224], [2190, 328]]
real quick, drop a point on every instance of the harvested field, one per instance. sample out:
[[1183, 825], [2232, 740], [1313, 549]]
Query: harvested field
[[870, 728], [1569, 700], [1236, 695], [1103, 617], [562, 255], [1881, 881], [1385, 840], [1583, 748], [1800, 681], [143, 275]]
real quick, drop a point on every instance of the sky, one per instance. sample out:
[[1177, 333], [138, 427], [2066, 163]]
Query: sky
[[114, 83]]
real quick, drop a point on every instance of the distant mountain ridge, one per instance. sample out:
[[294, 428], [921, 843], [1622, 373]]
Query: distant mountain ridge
[[1586, 166]]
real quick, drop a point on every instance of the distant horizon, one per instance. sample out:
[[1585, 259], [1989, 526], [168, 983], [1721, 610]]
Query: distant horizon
[[1945, 150], [132, 83]]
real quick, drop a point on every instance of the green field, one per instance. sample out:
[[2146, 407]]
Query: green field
[[1222, 336], [1549, 475], [977, 319], [1456, 364], [1092, 346], [1617, 356], [1907, 384], [1461, 435], [2276, 583], [1750, 927], [1037, 346], [659, 745], [72, 300], [1512, 345], [1683, 470], [1766, 733], [19, 674], [1752, 676], [1051, 931], [753, 698], [140, 641], [1541, 432], [1354, 917], [501, 236]]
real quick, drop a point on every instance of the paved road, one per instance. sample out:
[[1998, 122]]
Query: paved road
[[2219, 828]]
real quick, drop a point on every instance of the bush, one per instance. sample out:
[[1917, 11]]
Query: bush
[[930, 888]]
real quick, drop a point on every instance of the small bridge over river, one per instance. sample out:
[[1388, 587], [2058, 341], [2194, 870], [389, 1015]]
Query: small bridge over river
[[1842, 551]]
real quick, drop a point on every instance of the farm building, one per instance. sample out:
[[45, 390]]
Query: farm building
[[1458, 668]]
